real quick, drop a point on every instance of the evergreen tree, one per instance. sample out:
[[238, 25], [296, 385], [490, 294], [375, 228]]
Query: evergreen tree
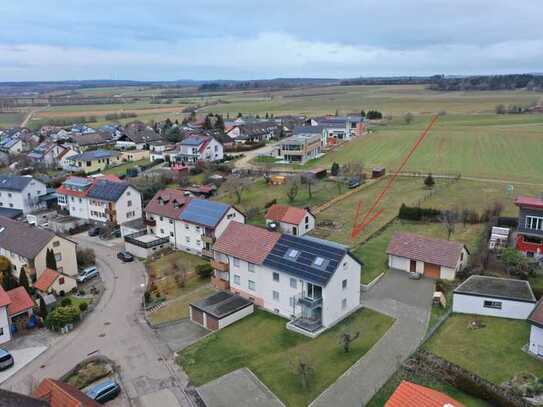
[[23, 280], [43, 308], [362, 113], [50, 261], [335, 169], [219, 124], [429, 181], [9, 282], [207, 123]]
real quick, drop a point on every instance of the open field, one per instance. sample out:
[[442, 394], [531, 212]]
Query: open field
[[485, 146], [373, 253], [11, 119], [392, 100], [262, 343], [493, 352]]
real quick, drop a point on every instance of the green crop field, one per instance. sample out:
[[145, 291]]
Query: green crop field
[[486, 146], [11, 119]]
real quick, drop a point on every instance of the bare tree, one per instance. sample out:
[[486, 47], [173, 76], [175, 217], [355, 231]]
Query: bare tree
[[302, 368], [292, 190], [448, 219], [180, 273], [408, 118], [346, 338], [236, 186], [353, 169], [309, 181]]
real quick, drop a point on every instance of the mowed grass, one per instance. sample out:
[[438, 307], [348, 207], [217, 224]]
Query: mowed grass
[[486, 146], [262, 343], [121, 169], [493, 352], [373, 253], [178, 308]]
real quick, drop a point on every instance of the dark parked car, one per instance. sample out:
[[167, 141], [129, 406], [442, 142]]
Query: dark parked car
[[354, 183], [125, 256], [95, 231], [6, 360], [104, 391]]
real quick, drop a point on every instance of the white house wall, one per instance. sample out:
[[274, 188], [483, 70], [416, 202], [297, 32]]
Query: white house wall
[[333, 294], [127, 213], [470, 304], [189, 237], [26, 200], [232, 215], [536, 340], [5, 334]]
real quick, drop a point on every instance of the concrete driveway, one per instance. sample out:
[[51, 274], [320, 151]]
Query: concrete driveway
[[115, 329], [409, 302]]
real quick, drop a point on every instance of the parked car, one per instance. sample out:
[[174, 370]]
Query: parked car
[[125, 256], [87, 274], [95, 231], [354, 183], [104, 391], [6, 360], [415, 276]]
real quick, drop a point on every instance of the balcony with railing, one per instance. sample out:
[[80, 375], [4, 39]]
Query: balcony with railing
[[145, 240], [310, 303], [149, 222], [220, 266], [207, 253], [208, 238]]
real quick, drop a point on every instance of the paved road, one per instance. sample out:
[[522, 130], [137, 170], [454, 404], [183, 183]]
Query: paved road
[[409, 302], [115, 329], [244, 162]]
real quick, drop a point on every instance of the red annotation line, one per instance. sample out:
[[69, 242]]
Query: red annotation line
[[359, 227]]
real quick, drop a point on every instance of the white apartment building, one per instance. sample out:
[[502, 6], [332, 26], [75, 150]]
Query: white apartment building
[[312, 282], [190, 224], [21, 192], [100, 199]]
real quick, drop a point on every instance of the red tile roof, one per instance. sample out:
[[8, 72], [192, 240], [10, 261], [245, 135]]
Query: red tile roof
[[286, 214], [536, 316], [20, 301], [529, 201], [246, 242], [46, 279], [4, 298], [162, 203], [413, 395], [60, 394], [416, 247]]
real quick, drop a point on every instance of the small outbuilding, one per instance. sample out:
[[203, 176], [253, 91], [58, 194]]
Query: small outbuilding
[[495, 297], [433, 258], [378, 172], [220, 310], [536, 329], [290, 219]]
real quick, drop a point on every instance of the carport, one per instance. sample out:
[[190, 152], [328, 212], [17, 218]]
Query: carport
[[220, 310]]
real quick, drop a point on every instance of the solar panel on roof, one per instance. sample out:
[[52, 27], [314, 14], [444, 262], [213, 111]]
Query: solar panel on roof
[[207, 213]]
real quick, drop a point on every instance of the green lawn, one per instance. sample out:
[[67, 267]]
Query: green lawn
[[178, 308], [373, 253], [493, 352], [262, 343], [390, 386], [121, 169]]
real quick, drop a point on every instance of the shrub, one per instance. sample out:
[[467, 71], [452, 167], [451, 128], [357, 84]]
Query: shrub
[[62, 316], [204, 270], [147, 297], [65, 302], [83, 306], [335, 169], [270, 203], [416, 213]]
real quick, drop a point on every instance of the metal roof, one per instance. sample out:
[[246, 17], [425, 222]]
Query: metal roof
[[297, 256], [78, 182], [107, 190], [222, 304], [495, 287], [204, 212], [193, 141], [14, 182], [94, 155]]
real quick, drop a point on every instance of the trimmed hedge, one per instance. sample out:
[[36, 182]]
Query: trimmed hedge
[[417, 213]]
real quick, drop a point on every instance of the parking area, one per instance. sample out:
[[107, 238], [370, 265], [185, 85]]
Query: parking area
[[179, 335], [21, 357], [239, 388]]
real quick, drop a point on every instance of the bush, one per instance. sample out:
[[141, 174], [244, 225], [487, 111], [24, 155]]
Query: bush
[[196, 171], [270, 203], [147, 297], [416, 213], [62, 316], [83, 306], [204, 270], [65, 302]]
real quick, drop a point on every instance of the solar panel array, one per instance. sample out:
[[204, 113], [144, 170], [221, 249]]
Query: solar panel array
[[203, 212], [107, 190], [303, 266]]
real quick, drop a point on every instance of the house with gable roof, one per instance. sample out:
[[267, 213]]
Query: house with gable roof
[[94, 161], [314, 283], [190, 224], [196, 148], [100, 199], [22, 192], [291, 220]]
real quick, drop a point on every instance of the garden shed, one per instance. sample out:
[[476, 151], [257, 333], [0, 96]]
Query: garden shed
[[495, 297], [220, 310]]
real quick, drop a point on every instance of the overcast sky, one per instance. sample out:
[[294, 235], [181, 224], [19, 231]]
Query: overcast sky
[[250, 39]]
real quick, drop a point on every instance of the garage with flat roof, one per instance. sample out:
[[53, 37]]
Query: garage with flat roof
[[495, 297], [220, 310]]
